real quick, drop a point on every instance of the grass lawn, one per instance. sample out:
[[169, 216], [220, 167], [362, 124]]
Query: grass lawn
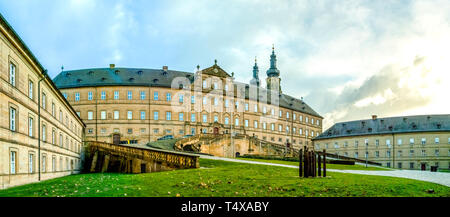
[[329, 166], [221, 178]]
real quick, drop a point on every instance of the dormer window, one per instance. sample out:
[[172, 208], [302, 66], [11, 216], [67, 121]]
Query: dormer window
[[155, 80], [79, 80], [139, 72], [116, 72], [131, 79], [89, 73]]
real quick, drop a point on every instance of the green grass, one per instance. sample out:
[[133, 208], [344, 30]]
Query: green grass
[[220, 178], [329, 166]]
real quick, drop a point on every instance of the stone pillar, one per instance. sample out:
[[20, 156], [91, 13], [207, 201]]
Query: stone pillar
[[94, 162], [136, 166], [105, 164]]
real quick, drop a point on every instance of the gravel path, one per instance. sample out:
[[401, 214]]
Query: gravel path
[[434, 177]]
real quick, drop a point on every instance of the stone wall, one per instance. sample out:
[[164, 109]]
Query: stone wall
[[105, 157]]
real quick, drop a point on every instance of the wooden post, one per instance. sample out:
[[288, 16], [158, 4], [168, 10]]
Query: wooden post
[[319, 172], [300, 169], [306, 163], [311, 163], [324, 163], [314, 164]]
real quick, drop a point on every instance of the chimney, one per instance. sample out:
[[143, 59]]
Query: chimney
[[374, 117], [165, 68], [112, 66]]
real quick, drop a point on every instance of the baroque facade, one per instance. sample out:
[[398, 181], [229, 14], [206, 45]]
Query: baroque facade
[[40, 133], [410, 142], [132, 105]]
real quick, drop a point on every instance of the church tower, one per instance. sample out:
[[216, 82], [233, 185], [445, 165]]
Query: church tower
[[255, 81], [273, 74]]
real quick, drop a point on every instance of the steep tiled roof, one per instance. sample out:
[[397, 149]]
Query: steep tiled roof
[[155, 78], [406, 124]]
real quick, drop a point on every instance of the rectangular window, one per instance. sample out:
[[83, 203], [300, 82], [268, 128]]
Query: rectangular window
[[12, 119], [411, 153], [30, 89], [216, 101], [205, 118], [44, 100], [227, 121], [129, 115], [90, 115], [192, 117], [246, 106], [399, 142], [226, 103], [44, 133], [89, 95], [142, 115], [264, 125], [103, 95], [377, 154], [77, 97], [30, 126], [255, 124], [155, 116], [181, 116], [281, 114], [130, 95], [12, 74], [181, 98], [53, 137], [256, 108], [168, 116], [103, 115], [236, 122], [246, 123], [54, 110], [168, 97], [53, 164], [436, 140], [280, 127], [216, 118], [44, 159], [13, 162], [287, 115], [143, 96], [30, 163], [388, 142], [116, 115], [272, 127], [436, 152], [272, 111], [192, 99], [411, 141], [116, 94], [424, 141]]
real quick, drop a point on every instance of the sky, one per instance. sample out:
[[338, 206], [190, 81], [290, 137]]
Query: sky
[[347, 59]]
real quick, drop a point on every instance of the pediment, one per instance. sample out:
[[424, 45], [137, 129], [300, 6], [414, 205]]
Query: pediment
[[215, 70]]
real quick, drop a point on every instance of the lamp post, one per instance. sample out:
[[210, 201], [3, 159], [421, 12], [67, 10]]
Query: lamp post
[[367, 151], [39, 122]]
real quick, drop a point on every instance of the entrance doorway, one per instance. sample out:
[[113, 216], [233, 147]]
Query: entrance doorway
[[423, 166], [216, 130], [116, 139]]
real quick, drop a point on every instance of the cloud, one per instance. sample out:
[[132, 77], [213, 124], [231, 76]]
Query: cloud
[[348, 59]]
